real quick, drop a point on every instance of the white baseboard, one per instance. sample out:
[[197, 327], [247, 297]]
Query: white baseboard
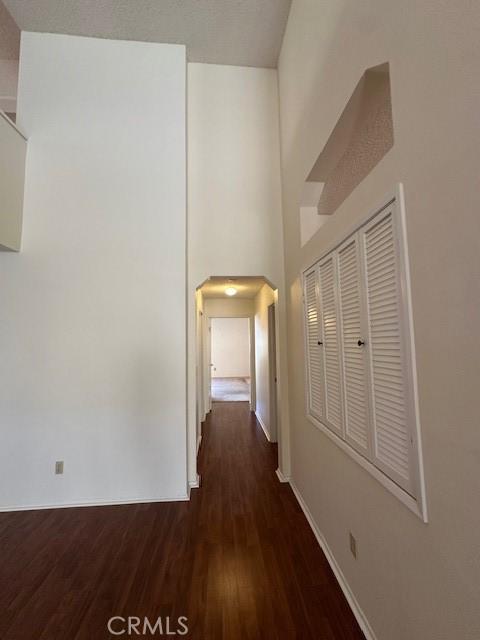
[[281, 477], [349, 595], [265, 431], [94, 503]]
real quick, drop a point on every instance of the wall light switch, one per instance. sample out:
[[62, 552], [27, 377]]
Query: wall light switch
[[58, 467]]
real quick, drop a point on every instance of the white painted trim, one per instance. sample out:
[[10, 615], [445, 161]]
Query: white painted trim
[[194, 484], [94, 503], [264, 428], [416, 427], [384, 480], [342, 581], [281, 477]]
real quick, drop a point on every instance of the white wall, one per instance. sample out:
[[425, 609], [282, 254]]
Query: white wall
[[234, 213], [263, 299], [234, 193], [228, 307], [413, 581], [230, 347], [13, 150], [92, 331]]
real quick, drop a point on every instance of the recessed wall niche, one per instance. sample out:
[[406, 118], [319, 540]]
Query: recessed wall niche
[[362, 136]]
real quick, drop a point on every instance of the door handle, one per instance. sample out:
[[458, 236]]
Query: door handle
[[361, 343]]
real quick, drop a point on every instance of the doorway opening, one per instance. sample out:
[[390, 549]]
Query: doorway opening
[[230, 359], [237, 350]]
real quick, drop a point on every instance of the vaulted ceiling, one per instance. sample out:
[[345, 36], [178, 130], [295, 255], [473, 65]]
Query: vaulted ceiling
[[234, 32]]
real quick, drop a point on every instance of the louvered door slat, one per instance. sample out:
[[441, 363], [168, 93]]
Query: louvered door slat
[[333, 394], [354, 373], [314, 353], [387, 366]]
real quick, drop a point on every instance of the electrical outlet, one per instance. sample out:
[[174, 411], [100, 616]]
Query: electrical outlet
[[58, 467], [353, 546]]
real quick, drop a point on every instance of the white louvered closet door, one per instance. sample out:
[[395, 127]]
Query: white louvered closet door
[[331, 350], [386, 343], [354, 355], [315, 377]]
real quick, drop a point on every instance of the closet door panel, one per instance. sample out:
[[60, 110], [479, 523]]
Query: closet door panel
[[354, 354], [313, 338], [331, 347], [389, 393]]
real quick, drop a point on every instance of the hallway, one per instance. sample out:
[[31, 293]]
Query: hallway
[[239, 560]]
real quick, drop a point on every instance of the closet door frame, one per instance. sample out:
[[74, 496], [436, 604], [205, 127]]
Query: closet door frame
[[417, 504], [418, 475]]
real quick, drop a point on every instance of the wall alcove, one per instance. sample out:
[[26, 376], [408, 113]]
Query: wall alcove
[[360, 139]]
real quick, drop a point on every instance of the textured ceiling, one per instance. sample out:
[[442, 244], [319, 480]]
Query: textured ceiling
[[237, 32], [246, 287], [9, 36]]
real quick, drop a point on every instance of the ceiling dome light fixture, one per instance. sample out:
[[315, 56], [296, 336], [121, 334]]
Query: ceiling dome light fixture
[[230, 291]]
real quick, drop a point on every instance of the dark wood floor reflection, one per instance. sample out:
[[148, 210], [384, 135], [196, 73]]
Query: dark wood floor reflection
[[239, 560]]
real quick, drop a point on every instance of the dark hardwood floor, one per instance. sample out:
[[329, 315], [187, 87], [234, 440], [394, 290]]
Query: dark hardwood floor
[[239, 560]]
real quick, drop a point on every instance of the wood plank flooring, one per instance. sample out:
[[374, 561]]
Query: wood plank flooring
[[239, 560]]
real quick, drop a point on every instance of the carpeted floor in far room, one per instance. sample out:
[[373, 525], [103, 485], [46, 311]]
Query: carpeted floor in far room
[[230, 389]]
